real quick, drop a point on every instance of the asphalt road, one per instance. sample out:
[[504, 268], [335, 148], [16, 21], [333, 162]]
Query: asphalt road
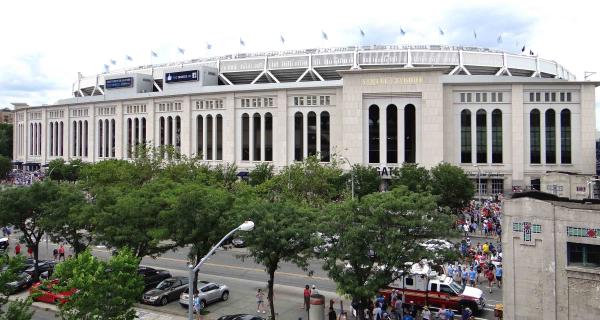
[[244, 277]]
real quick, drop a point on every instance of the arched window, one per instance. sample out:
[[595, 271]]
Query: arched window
[[62, 139], [311, 138], [100, 139], [129, 131], [392, 133], [144, 130], [74, 146], [51, 138], [219, 137], [80, 139], [199, 136], [565, 136], [113, 145], [497, 136], [162, 131], [550, 136], [481, 135], [85, 138], [298, 136], [374, 134], [534, 136], [325, 154], [410, 134], [169, 130], [268, 137], [56, 138], [178, 134], [465, 137], [245, 137], [136, 131], [209, 137], [106, 138], [256, 143]]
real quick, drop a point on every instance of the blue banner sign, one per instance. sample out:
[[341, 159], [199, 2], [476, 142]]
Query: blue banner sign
[[119, 83], [182, 76]]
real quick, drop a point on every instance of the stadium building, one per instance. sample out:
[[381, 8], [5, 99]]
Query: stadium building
[[505, 118]]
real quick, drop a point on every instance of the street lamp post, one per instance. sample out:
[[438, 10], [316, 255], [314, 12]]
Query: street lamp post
[[246, 226], [351, 174]]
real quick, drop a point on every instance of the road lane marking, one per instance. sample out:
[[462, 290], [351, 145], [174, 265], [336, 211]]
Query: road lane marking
[[218, 265]]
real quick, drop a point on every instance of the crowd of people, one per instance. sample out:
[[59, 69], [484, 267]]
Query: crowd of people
[[22, 177], [482, 218]]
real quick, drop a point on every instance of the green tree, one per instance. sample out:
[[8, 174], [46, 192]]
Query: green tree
[[25, 208], [15, 310], [366, 180], [197, 216], [131, 218], [69, 216], [5, 167], [309, 182], [106, 290], [6, 139], [58, 169], [452, 185], [375, 237], [413, 176], [282, 233], [261, 173]]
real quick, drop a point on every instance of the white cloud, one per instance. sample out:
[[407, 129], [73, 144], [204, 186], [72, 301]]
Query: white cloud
[[66, 37]]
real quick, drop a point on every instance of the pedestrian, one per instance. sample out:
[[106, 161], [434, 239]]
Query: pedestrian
[[398, 308], [442, 313], [332, 314], [426, 314], [55, 254], [61, 252], [307, 294], [30, 251], [449, 314], [473, 277], [499, 275], [378, 312], [490, 278], [465, 277], [260, 302], [197, 305], [18, 249]]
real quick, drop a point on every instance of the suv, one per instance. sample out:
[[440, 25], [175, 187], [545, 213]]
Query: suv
[[152, 276], [209, 293]]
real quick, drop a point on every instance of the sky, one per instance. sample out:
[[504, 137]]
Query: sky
[[44, 44]]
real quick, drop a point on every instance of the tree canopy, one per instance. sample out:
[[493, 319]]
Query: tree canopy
[[106, 290]]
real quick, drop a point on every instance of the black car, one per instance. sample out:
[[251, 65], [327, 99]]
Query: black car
[[4, 243], [166, 291], [152, 276], [23, 282], [241, 317], [44, 267]]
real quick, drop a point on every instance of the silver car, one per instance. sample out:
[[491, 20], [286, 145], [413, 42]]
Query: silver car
[[209, 293]]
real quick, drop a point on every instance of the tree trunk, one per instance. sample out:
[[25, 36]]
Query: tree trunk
[[270, 292]]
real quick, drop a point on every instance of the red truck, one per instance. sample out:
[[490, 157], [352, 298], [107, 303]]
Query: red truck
[[426, 287]]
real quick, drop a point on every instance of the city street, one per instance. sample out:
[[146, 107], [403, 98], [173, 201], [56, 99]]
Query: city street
[[244, 277]]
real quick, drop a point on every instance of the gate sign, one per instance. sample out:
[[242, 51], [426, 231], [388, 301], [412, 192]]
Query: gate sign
[[119, 83], [182, 76]]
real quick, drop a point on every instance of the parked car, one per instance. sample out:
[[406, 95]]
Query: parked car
[[23, 282], [209, 293], [43, 292], [152, 277], [168, 290], [4, 243], [238, 242], [45, 267], [436, 244], [241, 317]]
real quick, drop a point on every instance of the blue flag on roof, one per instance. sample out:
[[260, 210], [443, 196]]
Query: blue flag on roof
[[242, 42], [324, 35]]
